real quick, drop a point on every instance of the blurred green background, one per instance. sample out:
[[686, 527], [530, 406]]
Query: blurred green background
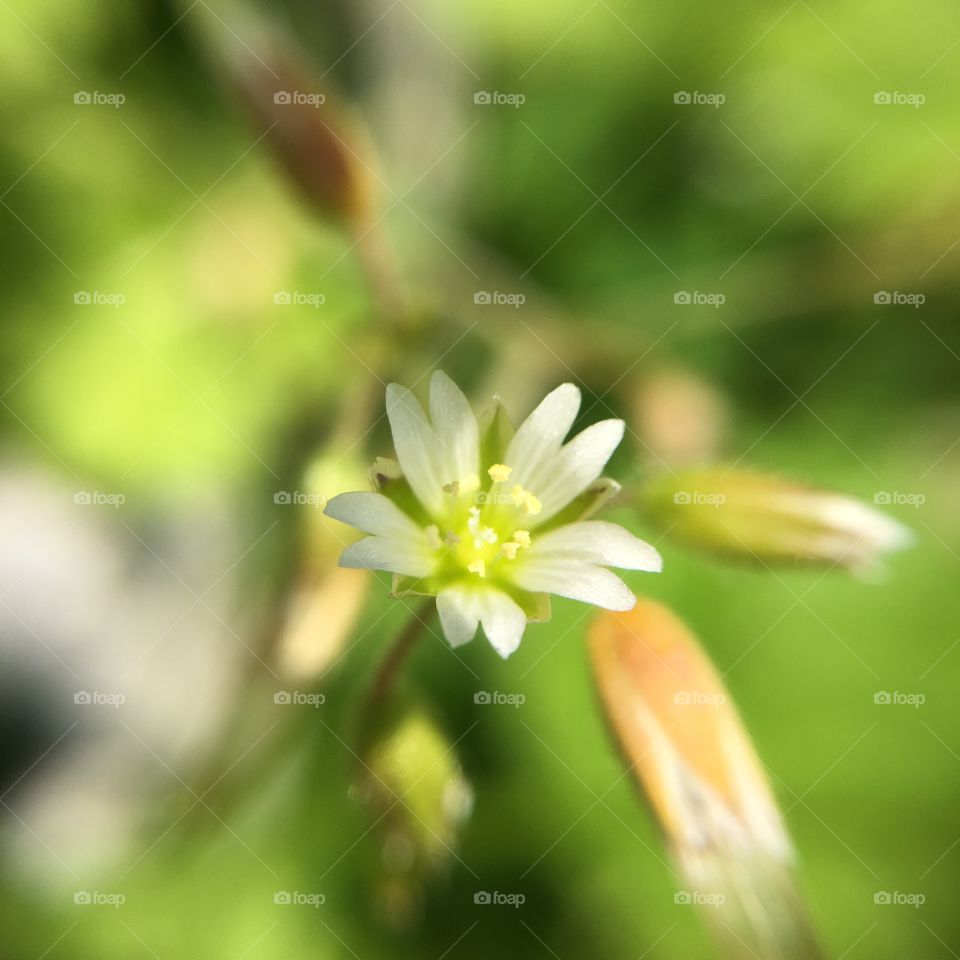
[[187, 389]]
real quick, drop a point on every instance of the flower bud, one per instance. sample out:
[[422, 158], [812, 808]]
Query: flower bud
[[679, 731], [326, 600], [770, 519], [419, 799]]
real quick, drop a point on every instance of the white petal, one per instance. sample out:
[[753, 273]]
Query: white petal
[[598, 542], [542, 433], [503, 621], [417, 446], [461, 608], [406, 556], [577, 465], [372, 513], [458, 615], [576, 579], [456, 429]]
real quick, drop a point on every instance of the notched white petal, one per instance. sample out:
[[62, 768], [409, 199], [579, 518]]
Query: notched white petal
[[542, 433], [598, 542], [462, 608], [456, 429], [416, 444], [576, 466], [503, 621], [408, 557], [372, 513], [458, 615], [577, 580]]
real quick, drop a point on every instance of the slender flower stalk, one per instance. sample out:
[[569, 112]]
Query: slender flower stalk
[[490, 521]]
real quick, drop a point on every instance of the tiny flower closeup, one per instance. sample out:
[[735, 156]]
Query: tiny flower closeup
[[490, 521]]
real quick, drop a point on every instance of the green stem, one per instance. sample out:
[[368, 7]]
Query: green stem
[[392, 662]]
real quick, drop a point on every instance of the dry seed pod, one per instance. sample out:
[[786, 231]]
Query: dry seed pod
[[770, 519], [316, 142], [692, 759]]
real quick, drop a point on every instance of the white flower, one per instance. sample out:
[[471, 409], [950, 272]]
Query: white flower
[[490, 521]]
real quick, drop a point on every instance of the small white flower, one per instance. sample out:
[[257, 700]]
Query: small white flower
[[491, 521]]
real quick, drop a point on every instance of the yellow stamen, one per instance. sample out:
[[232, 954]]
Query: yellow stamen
[[531, 504], [478, 567], [521, 538], [499, 472], [510, 550]]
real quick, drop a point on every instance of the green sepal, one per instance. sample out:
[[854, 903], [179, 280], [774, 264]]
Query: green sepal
[[597, 495], [404, 586], [496, 432], [535, 605], [387, 478]]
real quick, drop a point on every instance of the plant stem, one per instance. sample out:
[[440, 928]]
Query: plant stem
[[397, 653]]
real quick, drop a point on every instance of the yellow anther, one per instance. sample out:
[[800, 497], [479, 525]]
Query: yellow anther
[[521, 538], [478, 567], [531, 504], [499, 472], [453, 487], [510, 550]]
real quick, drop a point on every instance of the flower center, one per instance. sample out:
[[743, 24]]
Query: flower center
[[483, 538]]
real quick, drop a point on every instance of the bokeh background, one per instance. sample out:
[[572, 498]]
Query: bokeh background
[[168, 368]]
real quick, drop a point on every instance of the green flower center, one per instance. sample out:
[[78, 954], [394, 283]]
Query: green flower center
[[485, 529]]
